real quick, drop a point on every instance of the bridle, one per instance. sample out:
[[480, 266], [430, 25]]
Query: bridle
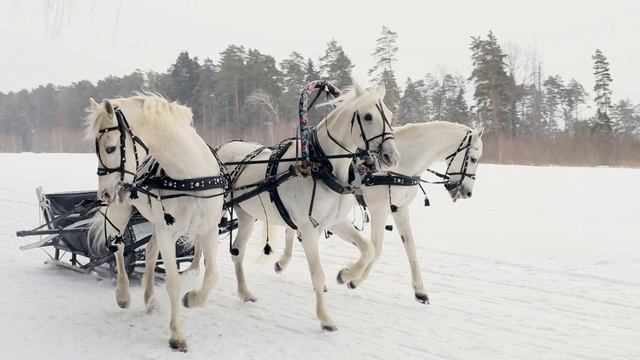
[[385, 134], [464, 145], [124, 129]]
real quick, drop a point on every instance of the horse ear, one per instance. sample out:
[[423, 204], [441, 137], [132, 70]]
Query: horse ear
[[479, 131], [108, 107], [93, 103]]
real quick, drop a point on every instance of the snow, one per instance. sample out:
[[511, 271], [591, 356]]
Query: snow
[[542, 263]]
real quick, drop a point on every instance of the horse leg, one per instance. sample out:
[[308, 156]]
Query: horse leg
[[119, 217], [288, 250], [348, 233], [245, 227], [195, 262], [402, 220], [151, 257], [209, 243], [378, 220], [310, 237], [123, 298], [167, 248]]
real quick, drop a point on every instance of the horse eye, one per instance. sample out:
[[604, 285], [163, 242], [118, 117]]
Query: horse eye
[[473, 160], [110, 149], [368, 117]]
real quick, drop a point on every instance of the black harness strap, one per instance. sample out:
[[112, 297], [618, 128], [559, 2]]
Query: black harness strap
[[259, 187], [272, 171], [325, 170], [193, 184], [392, 179]]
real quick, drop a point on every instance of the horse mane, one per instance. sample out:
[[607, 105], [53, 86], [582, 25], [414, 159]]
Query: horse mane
[[435, 124], [151, 110], [355, 97]]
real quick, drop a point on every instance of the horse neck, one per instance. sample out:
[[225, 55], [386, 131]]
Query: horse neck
[[422, 144], [337, 124], [179, 150]]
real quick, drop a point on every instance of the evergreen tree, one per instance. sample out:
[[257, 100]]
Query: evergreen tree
[[627, 117], [205, 94], [382, 72], [413, 103], [457, 109], [294, 74], [160, 83], [230, 83], [602, 90], [533, 119], [109, 88], [446, 97], [263, 79], [445, 90], [185, 73], [336, 65], [491, 81], [262, 73], [312, 73], [132, 83], [573, 96], [554, 87]]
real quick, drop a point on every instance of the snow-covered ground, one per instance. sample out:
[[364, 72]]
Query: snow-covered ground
[[542, 263]]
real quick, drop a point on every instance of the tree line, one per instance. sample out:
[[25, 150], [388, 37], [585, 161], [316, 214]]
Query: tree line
[[531, 117]]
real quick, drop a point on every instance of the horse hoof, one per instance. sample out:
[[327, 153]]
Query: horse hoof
[[339, 277], [351, 285], [151, 307], [123, 303], [252, 300], [277, 267], [422, 298], [179, 345], [186, 302], [329, 328]]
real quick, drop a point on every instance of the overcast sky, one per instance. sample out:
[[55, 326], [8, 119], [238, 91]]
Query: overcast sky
[[62, 41]]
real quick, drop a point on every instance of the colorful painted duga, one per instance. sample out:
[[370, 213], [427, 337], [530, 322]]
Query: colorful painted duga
[[303, 110]]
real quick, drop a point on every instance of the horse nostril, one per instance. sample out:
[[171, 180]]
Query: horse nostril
[[387, 158], [105, 196], [468, 193]]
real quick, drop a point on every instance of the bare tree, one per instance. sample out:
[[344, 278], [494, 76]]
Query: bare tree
[[262, 100]]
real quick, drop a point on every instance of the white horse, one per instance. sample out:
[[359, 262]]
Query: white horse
[[420, 145], [122, 128], [360, 120]]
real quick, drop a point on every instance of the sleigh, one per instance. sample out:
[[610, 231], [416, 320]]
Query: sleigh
[[66, 218]]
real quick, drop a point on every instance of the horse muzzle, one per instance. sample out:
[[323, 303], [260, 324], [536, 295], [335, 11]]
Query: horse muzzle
[[388, 156]]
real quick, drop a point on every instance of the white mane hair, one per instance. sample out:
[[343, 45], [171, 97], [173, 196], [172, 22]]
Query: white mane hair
[[410, 127], [150, 109], [355, 97]]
